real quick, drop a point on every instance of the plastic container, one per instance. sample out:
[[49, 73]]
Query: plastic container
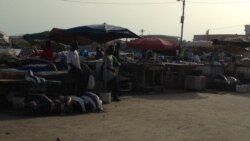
[[105, 97], [243, 88]]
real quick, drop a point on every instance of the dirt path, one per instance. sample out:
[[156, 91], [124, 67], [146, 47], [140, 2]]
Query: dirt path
[[156, 117]]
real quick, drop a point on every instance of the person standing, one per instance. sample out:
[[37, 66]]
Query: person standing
[[74, 67], [117, 52], [73, 59], [116, 58], [98, 54], [109, 72]]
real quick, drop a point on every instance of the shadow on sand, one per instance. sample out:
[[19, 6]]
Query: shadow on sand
[[169, 95], [226, 92], [10, 114]]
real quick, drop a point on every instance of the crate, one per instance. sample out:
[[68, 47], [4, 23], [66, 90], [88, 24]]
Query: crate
[[127, 87], [195, 82], [174, 81], [244, 88], [124, 84]]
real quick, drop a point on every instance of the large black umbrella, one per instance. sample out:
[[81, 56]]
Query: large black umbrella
[[58, 35], [101, 33], [36, 36]]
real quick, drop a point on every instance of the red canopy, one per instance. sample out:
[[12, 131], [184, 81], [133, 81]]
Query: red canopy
[[156, 44]]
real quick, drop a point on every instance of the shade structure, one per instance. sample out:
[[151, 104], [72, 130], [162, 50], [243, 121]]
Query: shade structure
[[156, 44], [36, 36], [58, 35], [101, 33]]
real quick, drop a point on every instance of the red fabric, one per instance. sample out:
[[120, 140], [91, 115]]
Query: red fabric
[[44, 54], [47, 54], [152, 43]]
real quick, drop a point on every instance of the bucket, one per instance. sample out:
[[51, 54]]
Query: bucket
[[105, 97]]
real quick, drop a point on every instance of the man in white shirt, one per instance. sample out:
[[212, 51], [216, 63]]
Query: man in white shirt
[[74, 68], [73, 59]]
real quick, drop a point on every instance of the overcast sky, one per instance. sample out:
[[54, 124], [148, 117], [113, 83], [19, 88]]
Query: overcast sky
[[154, 16]]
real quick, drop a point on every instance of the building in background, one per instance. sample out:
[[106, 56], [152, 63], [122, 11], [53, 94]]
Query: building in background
[[215, 36], [247, 30], [210, 37]]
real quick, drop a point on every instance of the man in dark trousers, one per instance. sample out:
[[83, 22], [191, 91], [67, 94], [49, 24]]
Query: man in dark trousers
[[74, 68], [109, 72], [117, 51]]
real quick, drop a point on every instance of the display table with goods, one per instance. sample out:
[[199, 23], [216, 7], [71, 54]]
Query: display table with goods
[[177, 71], [144, 75]]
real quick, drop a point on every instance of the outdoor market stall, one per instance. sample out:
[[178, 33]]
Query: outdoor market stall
[[145, 75], [176, 73]]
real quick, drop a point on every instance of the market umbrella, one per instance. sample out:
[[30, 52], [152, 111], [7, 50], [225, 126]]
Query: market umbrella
[[101, 33], [58, 35], [156, 44], [39, 39], [36, 36]]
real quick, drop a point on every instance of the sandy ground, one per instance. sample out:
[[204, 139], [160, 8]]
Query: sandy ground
[[169, 116]]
